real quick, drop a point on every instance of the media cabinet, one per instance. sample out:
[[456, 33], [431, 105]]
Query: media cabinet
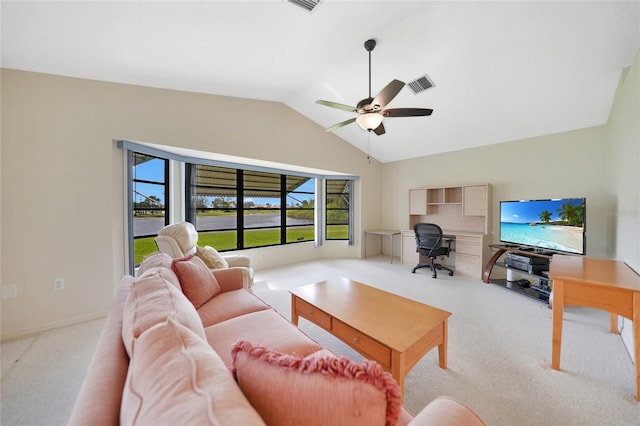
[[540, 291]]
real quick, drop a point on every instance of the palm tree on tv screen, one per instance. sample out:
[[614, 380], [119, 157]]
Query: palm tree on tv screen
[[570, 214], [545, 216]]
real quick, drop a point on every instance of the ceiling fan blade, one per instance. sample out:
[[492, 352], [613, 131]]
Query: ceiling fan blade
[[336, 105], [341, 124], [379, 130], [406, 112], [387, 94]]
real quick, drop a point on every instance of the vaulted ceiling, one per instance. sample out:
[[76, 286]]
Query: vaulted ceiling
[[502, 70]]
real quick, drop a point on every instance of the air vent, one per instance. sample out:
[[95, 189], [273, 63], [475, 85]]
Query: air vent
[[421, 84], [305, 4]]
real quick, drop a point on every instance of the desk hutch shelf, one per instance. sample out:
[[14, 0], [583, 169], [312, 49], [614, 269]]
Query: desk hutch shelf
[[462, 211]]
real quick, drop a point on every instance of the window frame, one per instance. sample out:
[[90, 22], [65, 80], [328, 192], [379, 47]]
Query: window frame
[[131, 184], [248, 182], [182, 156], [349, 209]]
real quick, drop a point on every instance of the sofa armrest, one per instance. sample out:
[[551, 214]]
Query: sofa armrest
[[241, 261], [447, 411], [101, 393], [229, 278]]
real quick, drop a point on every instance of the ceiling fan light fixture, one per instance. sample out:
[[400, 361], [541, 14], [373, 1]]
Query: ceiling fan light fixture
[[371, 110], [369, 121]]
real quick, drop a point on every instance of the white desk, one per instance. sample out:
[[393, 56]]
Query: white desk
[[382, 232]]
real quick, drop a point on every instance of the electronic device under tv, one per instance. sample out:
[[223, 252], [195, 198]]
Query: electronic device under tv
[[556, 225]]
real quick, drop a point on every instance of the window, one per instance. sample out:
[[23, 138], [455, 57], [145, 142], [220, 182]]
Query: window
[[212, 205], [262, 221], [233, 206], [300, 206], [148, 203], [274, 208], [338, 209]]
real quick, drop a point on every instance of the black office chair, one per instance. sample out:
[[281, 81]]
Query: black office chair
[[429, 244]]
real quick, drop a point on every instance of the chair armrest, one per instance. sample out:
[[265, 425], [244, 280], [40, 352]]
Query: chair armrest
[[229, 278], [447, 411], [237, 260]]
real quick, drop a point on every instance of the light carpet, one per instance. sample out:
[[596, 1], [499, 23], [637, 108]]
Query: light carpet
[[499, 353]]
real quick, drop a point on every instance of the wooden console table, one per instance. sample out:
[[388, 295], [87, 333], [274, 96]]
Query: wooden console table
[[603, 284]]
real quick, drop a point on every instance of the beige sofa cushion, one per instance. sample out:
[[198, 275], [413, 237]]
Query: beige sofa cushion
[[175, 378], [315, 391], [152, 299]]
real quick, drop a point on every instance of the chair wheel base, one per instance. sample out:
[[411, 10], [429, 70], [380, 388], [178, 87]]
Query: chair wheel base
[[434, 267]]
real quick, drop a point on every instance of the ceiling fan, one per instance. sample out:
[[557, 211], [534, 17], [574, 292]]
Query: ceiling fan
[[370, 110]]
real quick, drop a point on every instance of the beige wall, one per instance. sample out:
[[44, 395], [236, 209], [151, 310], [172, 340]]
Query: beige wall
[[63, 186], [600, 163], [623, 168], [63, 189], [560, 165]]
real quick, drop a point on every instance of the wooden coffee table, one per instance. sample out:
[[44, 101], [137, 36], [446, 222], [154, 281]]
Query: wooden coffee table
[[392, 330]]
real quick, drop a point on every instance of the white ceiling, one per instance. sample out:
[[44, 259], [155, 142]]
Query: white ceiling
[[503, 70]]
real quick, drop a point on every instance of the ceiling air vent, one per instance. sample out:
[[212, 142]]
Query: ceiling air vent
[[305, 4], [421, 84]]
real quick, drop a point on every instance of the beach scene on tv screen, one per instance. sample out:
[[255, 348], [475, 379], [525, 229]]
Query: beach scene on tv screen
[[550, 224]]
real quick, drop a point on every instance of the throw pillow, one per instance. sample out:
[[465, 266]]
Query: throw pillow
[[211, 257], [291, 390], [176, 378], [196, 280]]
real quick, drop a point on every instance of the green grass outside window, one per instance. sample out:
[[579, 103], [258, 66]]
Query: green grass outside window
[[226, 240]]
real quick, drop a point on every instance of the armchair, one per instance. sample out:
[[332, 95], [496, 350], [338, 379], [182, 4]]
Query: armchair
[[181, 239]]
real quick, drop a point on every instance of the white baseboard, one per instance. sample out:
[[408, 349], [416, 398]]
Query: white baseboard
[[27, 332]]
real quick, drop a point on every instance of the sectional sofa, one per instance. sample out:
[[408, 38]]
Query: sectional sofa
[[186, 345]]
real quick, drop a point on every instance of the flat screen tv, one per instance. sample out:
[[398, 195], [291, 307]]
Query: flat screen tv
[[554, 225]]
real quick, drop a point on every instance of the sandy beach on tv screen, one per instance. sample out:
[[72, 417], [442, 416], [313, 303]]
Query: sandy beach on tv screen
[[572, 235]]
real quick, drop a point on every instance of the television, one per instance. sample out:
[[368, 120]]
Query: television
[[556, 225]]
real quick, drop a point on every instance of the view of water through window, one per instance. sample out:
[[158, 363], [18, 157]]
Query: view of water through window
[[268, 209]]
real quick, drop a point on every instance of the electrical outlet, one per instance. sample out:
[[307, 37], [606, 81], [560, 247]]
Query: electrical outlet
[[58, 283]]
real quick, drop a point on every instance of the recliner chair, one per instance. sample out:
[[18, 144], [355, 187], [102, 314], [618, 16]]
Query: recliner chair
[[181, 239], [429, 244]]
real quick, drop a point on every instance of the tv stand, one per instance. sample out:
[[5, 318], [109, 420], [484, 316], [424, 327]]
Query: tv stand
[[541, 292]]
